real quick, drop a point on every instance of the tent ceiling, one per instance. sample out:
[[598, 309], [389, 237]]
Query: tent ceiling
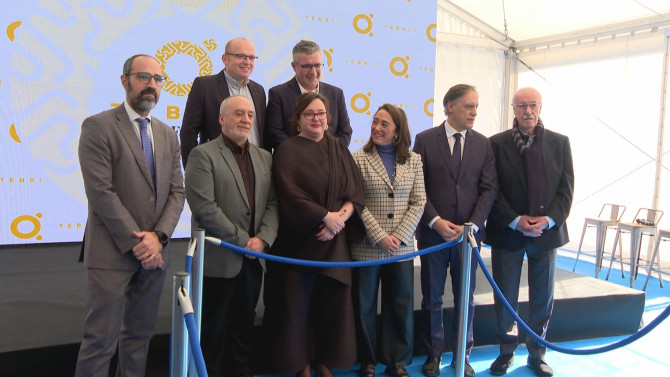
[[540, 19]]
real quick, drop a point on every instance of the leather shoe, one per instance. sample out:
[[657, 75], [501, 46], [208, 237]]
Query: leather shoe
[[431, 368], [367, 369], [540, 367], [501, 364], [467, 371], [398, 371]]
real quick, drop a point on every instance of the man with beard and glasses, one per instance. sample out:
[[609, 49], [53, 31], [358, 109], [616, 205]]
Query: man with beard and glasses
[[535, 188], [132, 176]]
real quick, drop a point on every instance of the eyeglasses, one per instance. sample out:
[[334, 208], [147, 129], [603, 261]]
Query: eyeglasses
[[243, 57], [145, 78], [522, 106], [308, 67], [308, 115]]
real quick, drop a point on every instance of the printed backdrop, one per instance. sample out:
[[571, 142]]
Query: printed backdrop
[[61, 62]]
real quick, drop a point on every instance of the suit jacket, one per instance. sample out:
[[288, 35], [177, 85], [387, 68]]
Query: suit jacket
[[281, 105], [219, 204], [466, 197], [201, 114], [390, 208], [120, 191], [512, 200]]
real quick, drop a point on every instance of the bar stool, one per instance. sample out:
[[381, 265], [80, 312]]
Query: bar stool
[[608, 218], [663, 235], [644, 223]]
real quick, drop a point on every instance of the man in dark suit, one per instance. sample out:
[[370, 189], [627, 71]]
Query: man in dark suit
[[201, 115], [307, 65], [130, 165], [460, 176], [535, 183], [231, 195]]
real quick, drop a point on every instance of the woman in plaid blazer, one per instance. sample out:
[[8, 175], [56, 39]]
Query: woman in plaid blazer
[[394, 196]]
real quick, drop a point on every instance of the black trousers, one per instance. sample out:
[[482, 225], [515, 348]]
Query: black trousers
[[228, 312]]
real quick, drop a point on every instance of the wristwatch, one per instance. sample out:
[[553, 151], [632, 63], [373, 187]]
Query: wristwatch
[[162, 237]]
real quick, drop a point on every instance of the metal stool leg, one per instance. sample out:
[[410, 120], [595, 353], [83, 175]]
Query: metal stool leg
[[601, 232], [635, 243], [616, 241], [651, 265], [655, 255], [579, 249]]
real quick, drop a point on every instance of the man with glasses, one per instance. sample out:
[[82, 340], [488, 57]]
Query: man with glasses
[[230, 191], [130, 166], [535, 188], [201, 115], [307, 65]]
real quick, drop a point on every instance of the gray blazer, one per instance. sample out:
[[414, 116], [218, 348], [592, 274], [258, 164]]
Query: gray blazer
[[121, 195], [218, 201]]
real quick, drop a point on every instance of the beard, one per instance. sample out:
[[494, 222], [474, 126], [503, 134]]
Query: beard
[[141, 104]]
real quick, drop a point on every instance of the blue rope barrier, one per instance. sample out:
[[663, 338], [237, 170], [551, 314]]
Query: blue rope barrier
[[188, 266], [193, 339], [313, 263], [508, 307], [554, 347]]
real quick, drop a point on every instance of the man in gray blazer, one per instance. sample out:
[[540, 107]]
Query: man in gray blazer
[[536, 182], [232, 197], [460, 174], [307, 64], [201, 114], [130, 165]]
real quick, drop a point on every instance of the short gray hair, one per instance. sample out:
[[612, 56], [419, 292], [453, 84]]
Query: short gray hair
[[305, 47]]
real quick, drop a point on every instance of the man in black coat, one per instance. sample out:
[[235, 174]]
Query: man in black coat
[[535, 188]]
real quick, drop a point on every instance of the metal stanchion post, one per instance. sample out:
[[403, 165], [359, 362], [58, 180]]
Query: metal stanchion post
[[196, 288], [196, 283], [179, 338], [461, 344]]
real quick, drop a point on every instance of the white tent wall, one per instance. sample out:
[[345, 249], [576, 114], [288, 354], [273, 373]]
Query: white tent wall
[[604, 88]]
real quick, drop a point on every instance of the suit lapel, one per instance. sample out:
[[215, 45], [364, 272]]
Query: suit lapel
[[259, 168], [160, 157], [377, 164], [295, 87], [515, 160], [222, 86], [400, 171], [442, 144], [232, 165], [127, 129]]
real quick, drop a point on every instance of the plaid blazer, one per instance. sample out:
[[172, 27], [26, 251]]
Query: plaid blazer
[[390, 209]]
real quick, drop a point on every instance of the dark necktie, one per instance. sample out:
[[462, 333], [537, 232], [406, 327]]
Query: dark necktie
[[146, 147], [456, 153]]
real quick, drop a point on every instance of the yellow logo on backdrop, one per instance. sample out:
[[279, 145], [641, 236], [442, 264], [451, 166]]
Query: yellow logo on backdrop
[[368, 24], [405, 66], [13, 134], [11, 30], [366, 103], [426, 107], [183, 47], [329, 58], [34, 220], [429, 30]]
